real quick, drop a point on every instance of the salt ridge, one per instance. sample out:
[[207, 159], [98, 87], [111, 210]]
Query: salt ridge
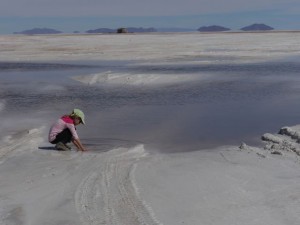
[[121, 79]]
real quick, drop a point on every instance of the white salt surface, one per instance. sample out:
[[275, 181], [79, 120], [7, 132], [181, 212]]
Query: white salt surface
[[221, 187], [156, 47], [130, 186], [228, 185]]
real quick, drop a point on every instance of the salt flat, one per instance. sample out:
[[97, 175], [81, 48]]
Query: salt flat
[[120, 182], [157, 47], [228, 185]]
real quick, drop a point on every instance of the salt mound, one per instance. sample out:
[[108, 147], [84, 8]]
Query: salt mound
[[121, 79], [19, 141], [287, 140]]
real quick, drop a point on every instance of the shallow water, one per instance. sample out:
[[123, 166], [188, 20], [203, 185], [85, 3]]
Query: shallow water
[[236, 103]]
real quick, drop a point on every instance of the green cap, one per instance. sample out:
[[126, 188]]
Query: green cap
[[79, 113]]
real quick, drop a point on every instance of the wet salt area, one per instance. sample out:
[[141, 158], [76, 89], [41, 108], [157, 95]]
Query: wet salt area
[[267, 68], [229, 104], [25, 66]]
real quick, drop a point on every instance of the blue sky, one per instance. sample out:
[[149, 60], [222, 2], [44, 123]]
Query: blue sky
[[82, 15]]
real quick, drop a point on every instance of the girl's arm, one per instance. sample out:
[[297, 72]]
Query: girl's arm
[[78, 144]]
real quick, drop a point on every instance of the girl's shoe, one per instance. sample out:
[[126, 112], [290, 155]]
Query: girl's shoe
[[68, 146], [61, 147]]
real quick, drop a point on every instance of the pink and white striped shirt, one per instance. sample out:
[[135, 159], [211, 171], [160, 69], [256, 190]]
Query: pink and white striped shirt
[[61, 124]]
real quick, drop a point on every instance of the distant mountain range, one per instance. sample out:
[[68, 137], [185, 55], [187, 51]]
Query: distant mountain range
[[101, 30], [253, 27], [128, 29], [213, 28], [39, 31], [175, 29], [257, 27]]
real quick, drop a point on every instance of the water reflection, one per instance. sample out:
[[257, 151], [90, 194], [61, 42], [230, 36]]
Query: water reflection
[[237, 103]]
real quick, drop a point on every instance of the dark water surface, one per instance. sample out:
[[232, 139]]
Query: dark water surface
[[238, 104]]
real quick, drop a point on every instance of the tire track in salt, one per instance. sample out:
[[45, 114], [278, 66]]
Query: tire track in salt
[[86, 203], [109, 195]]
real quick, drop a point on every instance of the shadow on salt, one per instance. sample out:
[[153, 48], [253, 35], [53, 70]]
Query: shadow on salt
[[107, 144], [99, 144]]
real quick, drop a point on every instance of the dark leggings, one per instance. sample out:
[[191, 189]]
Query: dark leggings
[[65, 137]]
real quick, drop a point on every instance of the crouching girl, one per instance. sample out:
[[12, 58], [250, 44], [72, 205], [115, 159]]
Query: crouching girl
[[64, 131]]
